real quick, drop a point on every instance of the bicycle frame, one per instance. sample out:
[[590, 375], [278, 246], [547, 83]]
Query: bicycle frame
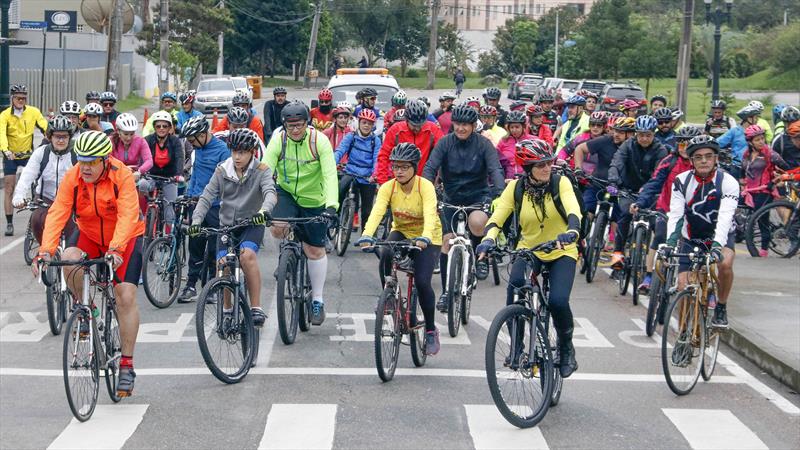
[[461, 243], [393, 281], [702, 280]]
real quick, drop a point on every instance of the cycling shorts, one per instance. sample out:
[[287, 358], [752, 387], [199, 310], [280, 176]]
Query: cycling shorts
[[131, 268], [10, 166], [448, 213], [247, 237], [313, 234], [685, 246]]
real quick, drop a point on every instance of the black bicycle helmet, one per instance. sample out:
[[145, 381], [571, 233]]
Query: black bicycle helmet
[[659, 97], [718, 104], [491, 93], [663, 114], [416, 112], [279, 90], [60, 123], [241, 98], [406, 151], [238, 115], [546, 98], [243, 139], [194, 126], [790, 114], [464, 114], [18, 89], [92, 95], [108, 96], [687, 132], [293, 111], [702, 141], [515, 117]]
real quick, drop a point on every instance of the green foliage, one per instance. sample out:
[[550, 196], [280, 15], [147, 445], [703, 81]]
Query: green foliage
[[490, 63], [654, 53], [456, 51], [412, 73], [515, 42], [410, 37], [606, 36], [786, 48]]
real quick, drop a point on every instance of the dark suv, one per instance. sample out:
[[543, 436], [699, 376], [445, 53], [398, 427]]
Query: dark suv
[[615, 93], [524, 85]]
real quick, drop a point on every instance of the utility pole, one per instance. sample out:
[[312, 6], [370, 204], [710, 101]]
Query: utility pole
[[220, 45], [5, 49], [555, 69], [684, 56], [163, 67], [312, 46], [717, 19], [114, 47], [435, 5]]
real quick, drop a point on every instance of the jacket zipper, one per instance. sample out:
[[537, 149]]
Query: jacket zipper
[[96, 211]]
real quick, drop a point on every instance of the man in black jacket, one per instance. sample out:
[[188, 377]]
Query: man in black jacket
[[272, 112]]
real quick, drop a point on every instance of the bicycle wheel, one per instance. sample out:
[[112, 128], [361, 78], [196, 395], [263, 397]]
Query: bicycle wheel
[[681, 343], [780, 221], [653, 304], [387, 334], [624, 274], [288, 309], [161, 272], [345, 227], [113, 348], [30, 247], [417, 334], [303, 298], [226, 343], [520, 380], [638, 260], [597, 242], [79, 363], [558, 382], [151, 225], [455, 268], [711, 351], [56, 301]]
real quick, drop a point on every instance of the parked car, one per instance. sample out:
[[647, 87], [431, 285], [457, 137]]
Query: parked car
[[240, 83], [524, 85], [347, 82], [567, 88], [616, 92], [214, 93], [595, 86], [548, 86]]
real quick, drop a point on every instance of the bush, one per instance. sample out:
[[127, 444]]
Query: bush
[[412, 73], [490, 63]]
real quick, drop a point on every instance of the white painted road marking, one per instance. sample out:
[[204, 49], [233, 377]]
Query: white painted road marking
[[109, 428], [11, 245], [165, 332], [489, 430], [288, 427], [29, 330], [360, 334], [713, 429]]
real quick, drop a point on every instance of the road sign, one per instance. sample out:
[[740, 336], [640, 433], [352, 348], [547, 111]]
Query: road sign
[[32, 24], [61, 21]]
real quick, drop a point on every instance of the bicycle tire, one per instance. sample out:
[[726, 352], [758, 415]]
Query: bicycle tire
[[518, 315], [387, 334], [638, 260], [304, 301], [711, 352], [209, 304], [287, 307], [151, 224], [417, 333], [794, 233], [454, 301], [624, 274], [83, 390], [30, 247], [113, 351], [778, 231], [678, 346], [161, 256], [597, 244], [653, 305], [345, 227], [558, 381], [55, 299]]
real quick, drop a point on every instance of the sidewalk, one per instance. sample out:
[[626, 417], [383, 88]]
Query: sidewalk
[[764, 314]]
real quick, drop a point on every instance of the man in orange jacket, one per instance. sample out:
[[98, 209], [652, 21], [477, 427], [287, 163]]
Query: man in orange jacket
[[415, 129], [101, 193]]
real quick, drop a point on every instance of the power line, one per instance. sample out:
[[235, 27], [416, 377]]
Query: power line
[[244, 11]]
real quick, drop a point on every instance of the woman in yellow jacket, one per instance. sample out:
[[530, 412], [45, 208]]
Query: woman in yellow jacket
[[543, 219], [412, 200]]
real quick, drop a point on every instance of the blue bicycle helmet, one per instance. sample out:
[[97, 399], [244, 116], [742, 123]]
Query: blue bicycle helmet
[[169, 95], [646, 123], [576, 100], [776, 112]]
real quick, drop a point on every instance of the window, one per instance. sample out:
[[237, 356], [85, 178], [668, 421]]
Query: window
[[13, 14], [496, 9]]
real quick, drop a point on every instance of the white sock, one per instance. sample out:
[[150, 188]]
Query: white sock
[[317, 271]]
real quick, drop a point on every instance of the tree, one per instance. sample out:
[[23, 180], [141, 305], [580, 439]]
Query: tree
[[456, 51], [786, 51], [515, 41], [408, 40], [654, 53], [369, 22], [569, 21], [491, 63], [606, 35]]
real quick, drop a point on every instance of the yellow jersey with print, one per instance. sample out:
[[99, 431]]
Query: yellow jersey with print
[[413, 214]]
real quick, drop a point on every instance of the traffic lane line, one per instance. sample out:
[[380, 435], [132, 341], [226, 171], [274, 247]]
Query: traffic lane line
[[109, 428], [287, 427], [8, 247], [713, 429], [489, 430]]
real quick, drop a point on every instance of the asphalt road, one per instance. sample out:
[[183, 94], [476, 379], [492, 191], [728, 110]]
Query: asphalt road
[[323, 391]]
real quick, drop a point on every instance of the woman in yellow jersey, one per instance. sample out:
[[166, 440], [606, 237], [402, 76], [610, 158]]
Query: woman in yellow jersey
[[412, 200], [543, 219]]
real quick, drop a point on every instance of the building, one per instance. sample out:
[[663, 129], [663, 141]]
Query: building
[[488, 15]]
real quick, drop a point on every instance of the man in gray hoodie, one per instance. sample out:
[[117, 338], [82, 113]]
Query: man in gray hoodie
[[246, 190]]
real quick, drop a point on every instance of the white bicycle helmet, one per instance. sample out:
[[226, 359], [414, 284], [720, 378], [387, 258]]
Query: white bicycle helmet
[[70, 107], [127, 122], [162, 116], [94, 109]]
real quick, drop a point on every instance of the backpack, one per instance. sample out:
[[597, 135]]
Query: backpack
[[46, 160], [312, 144], [554, 192]]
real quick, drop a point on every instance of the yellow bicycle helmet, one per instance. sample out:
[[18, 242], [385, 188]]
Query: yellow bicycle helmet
[[91, 145]]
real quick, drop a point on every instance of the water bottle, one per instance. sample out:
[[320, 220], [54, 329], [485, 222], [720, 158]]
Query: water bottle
[[95, 312], [712, 300]]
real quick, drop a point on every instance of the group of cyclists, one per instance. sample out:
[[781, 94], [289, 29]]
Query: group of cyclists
[[529, 162]]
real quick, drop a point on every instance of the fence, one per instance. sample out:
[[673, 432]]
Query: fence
[[71, 84]]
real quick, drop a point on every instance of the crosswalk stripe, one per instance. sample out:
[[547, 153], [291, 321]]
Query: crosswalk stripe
[[713, 429], [299, 426], [109, 428], [489, 430]]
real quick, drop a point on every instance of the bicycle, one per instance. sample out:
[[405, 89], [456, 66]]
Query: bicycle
[[293, 290], [156, 203], [777, 222], [223, 312], [662, 289], [598, 231], [92, 339], [689, 343], [57, 293], [521, 362], [461, 279], [347, 213], [636, 248], [30, 246], [397, 314], [164, 259]]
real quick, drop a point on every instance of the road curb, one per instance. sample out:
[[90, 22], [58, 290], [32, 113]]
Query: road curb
[[763, 359]]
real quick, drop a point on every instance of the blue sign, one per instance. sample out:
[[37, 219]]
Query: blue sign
[[32, 25], [61, 21]]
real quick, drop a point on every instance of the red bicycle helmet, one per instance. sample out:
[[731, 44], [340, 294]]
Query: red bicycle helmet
[[367, 114], [531, 151], [535, 110], [488, 110], [325, 95], [753, 131]]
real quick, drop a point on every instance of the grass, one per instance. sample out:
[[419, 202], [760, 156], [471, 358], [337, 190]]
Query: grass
[[285, 82], [473, 82], [131, 102]]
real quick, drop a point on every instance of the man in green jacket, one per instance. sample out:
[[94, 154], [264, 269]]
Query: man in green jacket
[[307, 186]]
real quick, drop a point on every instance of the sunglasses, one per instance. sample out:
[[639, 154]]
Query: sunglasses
[[661, 122], [542, 164], [20, 97], [108, 104], [401, 167], [91, 163], [162, 126]]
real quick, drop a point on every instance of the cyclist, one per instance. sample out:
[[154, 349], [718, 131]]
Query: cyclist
[[108, 100], [46, 168], [760, 165], [245, 189], [591, 100], [168, 157], [491, 97], [272, 111], [577, 121], [735, 137], [630, 108], [240, 116], [101, 194], [341, 124], [427, 103], [17, 124], [442, 114], [631, 167], [597, 127], [550, 117], [167, 100], [536, 125], [665, 133], [783, 143], [718, 123], [367, 100], [658, 190], [302, 159], [72, 111], [459, 79], [677, 119], [466, 164], [416, 130], [492, 131], [701, 208], [760, 121], [506, 149], [92, 114], [208, 153], [92, 97], [399, 100], [322, 115], [187, 111], [361, 149], [657, 102], [542, 218], [412, 201], [130, 149]]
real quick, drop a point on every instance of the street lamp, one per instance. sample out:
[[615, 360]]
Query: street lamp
[[717, 18]]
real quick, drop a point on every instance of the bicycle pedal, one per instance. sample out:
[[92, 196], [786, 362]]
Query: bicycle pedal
[[124, 394]]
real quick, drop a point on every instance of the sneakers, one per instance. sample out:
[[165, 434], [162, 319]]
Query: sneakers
[[317, 312], [125, 383], [441, 305], [9, 229], [258, 317], [482, 269], [617, 260], [644, 288], [406, 264], [763, 253], [188, 295], [436, 268], [432, 345], [720, 319]]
